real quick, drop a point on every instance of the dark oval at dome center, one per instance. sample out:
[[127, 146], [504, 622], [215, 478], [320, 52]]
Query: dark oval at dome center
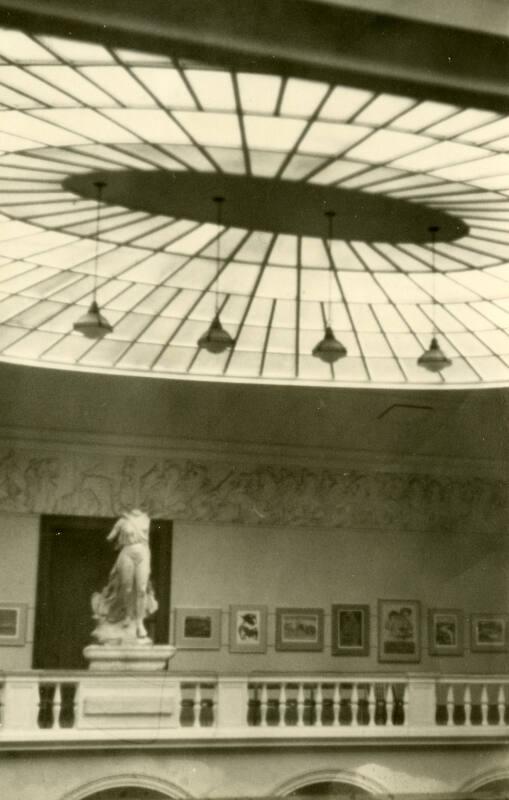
[[278, 206]]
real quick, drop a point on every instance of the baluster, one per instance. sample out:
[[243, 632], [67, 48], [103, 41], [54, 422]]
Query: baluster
[[354, 705], [264, 704], [449, 704], [371, 704], [501, 704], [57, 705], [336, 702], [484, 705], [300, 705], [282, 705], [197, 706], [318, 705], [467, 705], [404, 704], [389, 705]]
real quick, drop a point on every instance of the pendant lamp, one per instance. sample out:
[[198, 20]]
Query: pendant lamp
[[329, 349], [93, 324], [434, 359], [216, 339]]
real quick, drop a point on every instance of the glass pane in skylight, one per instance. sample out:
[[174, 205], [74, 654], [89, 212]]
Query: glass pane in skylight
[[370, 175], [464, 254], [497, 341], [196, 274], [239, 277], [281, 340], [371, 258], [26, 280], [28, 84], [22, 247], [77, 52], [493, 313], [32, 345], [423, 115], [284, 250], [221, 130], [416, 374], [312, 316], [156, 300], [138, 57], [383, 109], [27, 126], [483, 284], [490, 368], [443, 289], [167, 85], [214, 90], [115, 262], [417, 321], [328, 138], [191, 156], [152, 156], [258, 93], [278, 282], [182, 304], [244, 365], [140, 356], [12, 99], [104, 353], [344, 258], [175, 359], [389, 319], [265, 164], [115, 156], [301, 98], [374, 345], [404, 345], [300, 166], [340, 320], [196, 240], [229, 241], [17, 46], [482, 168], [68, 350], [440, 191], [468, 344], [384, 146], [361, 288], [272, 133], [313, 253], [160, 330], [344, 103], [350, 370], [440, 155], [401, 289], [14, 305], [118, 82], [487, 246], [255, 247], [131, 231], [487, 133], [72, 254], [229, 159], [131, 325], [151, 125], [209, 363], [337, 171], [155, 269], [425, 254], [318, 284], [71, 82], [284, 314], [460, 123], [37, 314], [385, 370]]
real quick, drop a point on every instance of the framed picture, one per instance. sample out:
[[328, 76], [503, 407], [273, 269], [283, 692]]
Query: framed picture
[[445, 632], [350, 630], [248, 629], [198, 628], [489, 633], [299, 629], [13, 623], [399, 636]]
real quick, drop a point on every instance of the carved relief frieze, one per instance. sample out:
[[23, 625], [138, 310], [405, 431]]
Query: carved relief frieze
[[69, 482]]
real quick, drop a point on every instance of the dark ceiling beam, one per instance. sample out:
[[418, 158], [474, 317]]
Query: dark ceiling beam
[[299, 37]]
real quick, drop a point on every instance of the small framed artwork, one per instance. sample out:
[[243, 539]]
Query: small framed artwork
[[445, 632], [198, 628], [489, 633], [350, 630], [248, 629], [399, 635], [13, 622], [299, 629]]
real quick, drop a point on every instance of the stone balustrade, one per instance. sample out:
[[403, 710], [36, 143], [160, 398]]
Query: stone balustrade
[[45, 707]]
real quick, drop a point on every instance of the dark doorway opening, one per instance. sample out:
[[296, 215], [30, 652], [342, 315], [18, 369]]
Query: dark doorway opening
[[74, 561]]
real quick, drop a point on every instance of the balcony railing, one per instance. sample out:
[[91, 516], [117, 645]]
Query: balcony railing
[[39, 707]]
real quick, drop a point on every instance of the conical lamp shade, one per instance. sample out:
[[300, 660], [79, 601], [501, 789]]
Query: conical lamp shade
[[92, 324], [215, 339], [329, 349], [433, 359]]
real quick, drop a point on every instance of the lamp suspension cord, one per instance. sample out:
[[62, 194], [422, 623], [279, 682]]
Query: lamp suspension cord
[[99, 185], [330, 216], [433, 229], [219, 206]]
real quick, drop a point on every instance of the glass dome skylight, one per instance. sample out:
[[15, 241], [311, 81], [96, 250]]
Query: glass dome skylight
[[162, 133]]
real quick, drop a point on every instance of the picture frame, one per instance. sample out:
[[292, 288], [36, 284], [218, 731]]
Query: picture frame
[[445, 632], [198, 628], [13, 623], [299, 629], [399, 631], [350, 630], [489, 633], [248, 629]]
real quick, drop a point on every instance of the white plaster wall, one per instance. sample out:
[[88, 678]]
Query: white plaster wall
[[248, 773], [19, 542]]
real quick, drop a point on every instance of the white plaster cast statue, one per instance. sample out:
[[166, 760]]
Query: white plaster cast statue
[[128, 598]]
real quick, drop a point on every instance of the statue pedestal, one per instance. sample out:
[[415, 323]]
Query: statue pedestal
[[143, 657]]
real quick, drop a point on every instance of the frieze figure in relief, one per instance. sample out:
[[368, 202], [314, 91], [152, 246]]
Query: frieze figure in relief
[[128, 598]]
